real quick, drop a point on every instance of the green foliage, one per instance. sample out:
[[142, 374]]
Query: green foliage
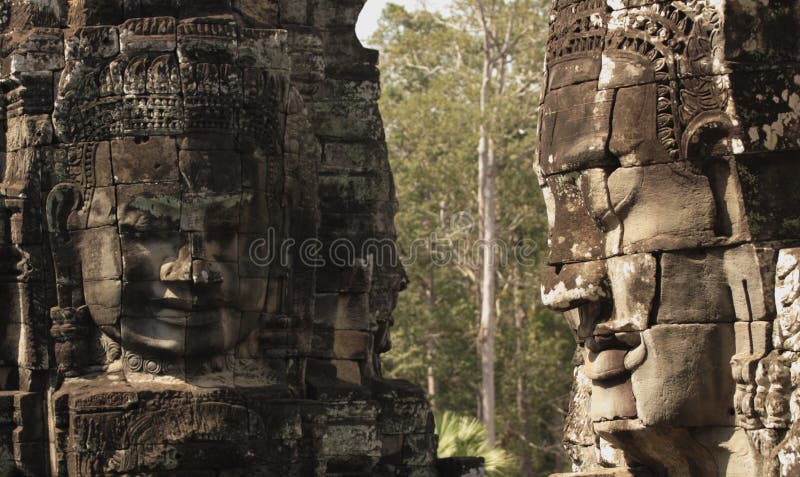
[[431, 65], [462, 436]]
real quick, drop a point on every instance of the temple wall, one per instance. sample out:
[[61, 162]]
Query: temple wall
[[110, 105]]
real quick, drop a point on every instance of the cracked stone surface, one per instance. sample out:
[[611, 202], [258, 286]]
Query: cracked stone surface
[[156, 155]]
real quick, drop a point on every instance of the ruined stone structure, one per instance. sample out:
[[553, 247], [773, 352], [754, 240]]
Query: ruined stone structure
[[669, 151], [160, 159]]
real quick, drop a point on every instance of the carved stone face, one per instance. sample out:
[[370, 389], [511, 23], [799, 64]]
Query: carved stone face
[[617, 198], [180, 245], [168, 135], [629, 205], [673, 223]]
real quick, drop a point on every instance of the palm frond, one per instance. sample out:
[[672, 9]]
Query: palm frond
[[462, 436]]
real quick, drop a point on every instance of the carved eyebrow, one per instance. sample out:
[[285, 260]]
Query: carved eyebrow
[[156, 206], [226, 200]]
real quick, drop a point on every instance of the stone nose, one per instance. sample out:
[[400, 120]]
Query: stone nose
[[604, 297], [572, 285], [185, 269], [204, 273], [581, 291], [180, 269]]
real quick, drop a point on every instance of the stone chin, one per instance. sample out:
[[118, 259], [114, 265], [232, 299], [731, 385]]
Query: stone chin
[[663, 449]]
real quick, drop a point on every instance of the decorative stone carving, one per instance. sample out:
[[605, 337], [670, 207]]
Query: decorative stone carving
[[154, 153], [787, 292], [668, 134]]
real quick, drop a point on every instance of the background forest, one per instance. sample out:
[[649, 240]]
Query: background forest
[[460, 97]]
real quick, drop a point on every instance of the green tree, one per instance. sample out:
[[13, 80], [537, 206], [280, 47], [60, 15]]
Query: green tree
[[439, 108]]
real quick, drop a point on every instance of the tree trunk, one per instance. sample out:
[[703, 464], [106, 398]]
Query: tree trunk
[[486, 200], [431, 375], [486, 335], [430, 344], [520, 315]]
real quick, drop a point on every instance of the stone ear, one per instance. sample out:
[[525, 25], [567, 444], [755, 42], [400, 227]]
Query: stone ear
[[705, 134], [62, 201]]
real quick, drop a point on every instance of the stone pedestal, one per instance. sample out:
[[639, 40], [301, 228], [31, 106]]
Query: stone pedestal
[[102, 427]]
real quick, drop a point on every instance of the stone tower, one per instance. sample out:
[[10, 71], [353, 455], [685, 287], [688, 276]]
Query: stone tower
[[196, 201], [669, 148]]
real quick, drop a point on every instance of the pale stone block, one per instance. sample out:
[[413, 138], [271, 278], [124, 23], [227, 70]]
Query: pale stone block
[[680, 383]]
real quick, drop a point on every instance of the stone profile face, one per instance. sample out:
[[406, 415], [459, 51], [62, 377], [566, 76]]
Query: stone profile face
[[165, 166], [666, 131]]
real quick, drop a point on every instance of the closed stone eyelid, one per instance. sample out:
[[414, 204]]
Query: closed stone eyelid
[[229, 200], [152, 205]]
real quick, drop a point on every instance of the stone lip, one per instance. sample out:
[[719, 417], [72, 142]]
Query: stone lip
[[199, 303], [612, 356], [607, 473], [605, 365], [611, 364]]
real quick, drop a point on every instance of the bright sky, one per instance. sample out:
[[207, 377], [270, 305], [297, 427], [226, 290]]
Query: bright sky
[[368, 21]]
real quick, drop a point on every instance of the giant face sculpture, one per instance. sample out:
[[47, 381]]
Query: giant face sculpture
[[148, 147], [652, 191], [162, 260], [170, 171]]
